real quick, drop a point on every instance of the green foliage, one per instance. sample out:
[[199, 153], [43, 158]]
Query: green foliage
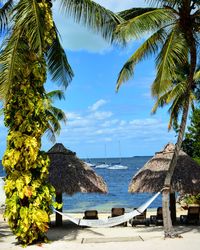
[[169, 39], [54, 115], [29, 196], [175, 95], [189, 199], [32, 48], [191, 144]]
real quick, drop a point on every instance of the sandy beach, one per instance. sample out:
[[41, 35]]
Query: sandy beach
[[73, 237]]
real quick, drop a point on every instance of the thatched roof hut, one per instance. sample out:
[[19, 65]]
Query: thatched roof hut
[[68, 174], [150, 178]]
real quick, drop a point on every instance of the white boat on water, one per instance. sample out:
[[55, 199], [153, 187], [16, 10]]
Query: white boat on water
[[102, 165], [89, 164], [116, 167]]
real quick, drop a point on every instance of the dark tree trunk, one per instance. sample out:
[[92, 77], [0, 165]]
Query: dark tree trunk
[[173, 207], [58, 216]]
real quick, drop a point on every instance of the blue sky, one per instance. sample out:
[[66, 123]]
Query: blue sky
[[97, 115]]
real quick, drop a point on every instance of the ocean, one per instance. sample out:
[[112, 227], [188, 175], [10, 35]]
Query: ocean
[[117, 181]]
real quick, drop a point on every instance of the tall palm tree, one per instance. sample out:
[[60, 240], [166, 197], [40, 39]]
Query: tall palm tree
[[31, 48], [173, 27]]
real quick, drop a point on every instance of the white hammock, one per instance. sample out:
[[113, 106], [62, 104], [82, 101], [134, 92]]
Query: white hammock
[[113, 221]]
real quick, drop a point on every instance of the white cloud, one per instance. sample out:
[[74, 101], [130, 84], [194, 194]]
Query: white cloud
[[73, 115], [102, 115], [97, 105], [95, 128]]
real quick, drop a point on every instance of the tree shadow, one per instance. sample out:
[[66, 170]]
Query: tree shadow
[[69, 231]]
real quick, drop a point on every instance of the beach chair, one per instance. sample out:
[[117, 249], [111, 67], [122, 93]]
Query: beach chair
[[158, 218], [192, 216], [117, 211], [91, 215], [140, 219]]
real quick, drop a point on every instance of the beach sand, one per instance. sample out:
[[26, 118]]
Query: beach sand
[[73, 237]]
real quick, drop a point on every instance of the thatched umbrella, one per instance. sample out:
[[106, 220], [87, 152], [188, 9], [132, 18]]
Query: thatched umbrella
[[69, 174], [150, 178]]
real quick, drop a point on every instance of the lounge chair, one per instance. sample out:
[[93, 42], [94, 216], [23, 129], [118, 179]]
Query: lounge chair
[[192, 217], [91, 215], [140, 219], [117, 211], [158, 218]]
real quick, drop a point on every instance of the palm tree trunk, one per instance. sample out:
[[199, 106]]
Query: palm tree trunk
[[168, 228]]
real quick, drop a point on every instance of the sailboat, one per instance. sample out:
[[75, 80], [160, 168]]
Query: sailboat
[[103, 164], [118, 165]]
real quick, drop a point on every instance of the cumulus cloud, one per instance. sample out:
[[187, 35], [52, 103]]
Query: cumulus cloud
[[97, 105], [94, 128]]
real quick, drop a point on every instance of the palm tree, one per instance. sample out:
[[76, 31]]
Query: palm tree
[[54, 114], [32, 47], [175, 95], [173, 26]]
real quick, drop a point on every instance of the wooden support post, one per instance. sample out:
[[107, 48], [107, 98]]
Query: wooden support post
[[58, 216], [173, 207]]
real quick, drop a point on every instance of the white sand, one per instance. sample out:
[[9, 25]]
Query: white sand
[[117, 238]]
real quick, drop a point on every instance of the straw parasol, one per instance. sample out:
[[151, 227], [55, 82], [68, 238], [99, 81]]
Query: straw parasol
[[68, 174], [150, 178]]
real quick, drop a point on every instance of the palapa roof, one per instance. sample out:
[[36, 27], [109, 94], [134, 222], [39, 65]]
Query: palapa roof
[[150, 178], [69, 174]]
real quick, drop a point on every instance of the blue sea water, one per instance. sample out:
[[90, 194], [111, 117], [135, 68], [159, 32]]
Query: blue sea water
[[117, 181]]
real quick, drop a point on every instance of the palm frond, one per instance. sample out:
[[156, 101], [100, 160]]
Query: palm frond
[[1, 111], [28, 15], [173, 52], [134, 12], [58, 114], [178, 91], [92, 15], [150, 46], [58, 64], [197, 75], [54, 115], [56, 94], [161, 3], [50, 134], [11, 58], [149, 21], [5, 15], [160, 102]]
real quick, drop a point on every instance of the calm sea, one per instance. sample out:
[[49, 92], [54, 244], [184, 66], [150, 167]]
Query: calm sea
[[117, 181]]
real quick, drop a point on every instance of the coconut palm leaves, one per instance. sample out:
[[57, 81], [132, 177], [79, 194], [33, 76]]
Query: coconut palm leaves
[[57, 62], [29, 21], [167, 38], [174, 27], [5, 15], [92, 15], [176, 95], [54, 115]]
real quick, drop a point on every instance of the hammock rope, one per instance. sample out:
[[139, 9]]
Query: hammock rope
[[110, 222]]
